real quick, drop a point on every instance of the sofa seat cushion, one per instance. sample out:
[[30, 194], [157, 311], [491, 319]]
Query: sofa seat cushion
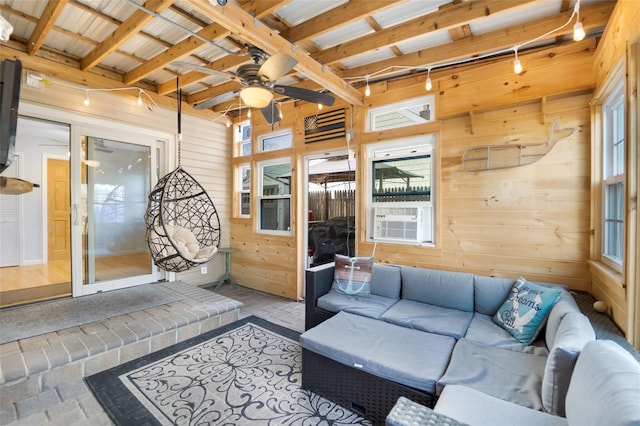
[[430, 318], [482, 329], [476, 408], [605, 386], [373, 306], [508, 375], [403, 355]]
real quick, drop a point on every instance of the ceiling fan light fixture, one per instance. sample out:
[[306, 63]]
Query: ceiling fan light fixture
[[256, 96]]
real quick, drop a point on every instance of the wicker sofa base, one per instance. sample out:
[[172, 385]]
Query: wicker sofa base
[[365, 394]]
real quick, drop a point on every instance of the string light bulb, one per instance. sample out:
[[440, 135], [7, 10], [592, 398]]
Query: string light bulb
[[427, 85], [319, 107], [578, 32], [517, 65], [140, 97], [86, 101], [367, 90], [280, 111], [249, 113]]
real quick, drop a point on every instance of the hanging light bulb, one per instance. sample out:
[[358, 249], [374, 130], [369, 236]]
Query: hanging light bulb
[[280, 111], [86, 98], [140, 97], [227, 120], [427, 85], [517, 65], [319, 107], [249, 113], [578, 31], [367, 90]]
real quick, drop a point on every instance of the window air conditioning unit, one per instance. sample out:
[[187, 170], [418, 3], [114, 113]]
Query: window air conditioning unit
[[398, 224]]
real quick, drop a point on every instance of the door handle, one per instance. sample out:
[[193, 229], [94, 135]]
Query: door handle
[[76, 220]]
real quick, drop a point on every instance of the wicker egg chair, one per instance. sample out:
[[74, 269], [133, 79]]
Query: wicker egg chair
[[183, 227]]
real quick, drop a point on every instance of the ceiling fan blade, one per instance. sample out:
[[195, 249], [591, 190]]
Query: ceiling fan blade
[[276, 66], [271, 113], [205, 70], [305, 95]]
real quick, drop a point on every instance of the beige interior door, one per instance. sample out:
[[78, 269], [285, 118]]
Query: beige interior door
[[58, 211]]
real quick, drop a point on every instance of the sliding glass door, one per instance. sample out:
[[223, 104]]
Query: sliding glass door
[[116, 174]]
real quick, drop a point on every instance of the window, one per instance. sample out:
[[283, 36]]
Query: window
[[407, 113], [243, 139], [275, 196], [244, 190], [400, 184], [275, 141], [613, 173]]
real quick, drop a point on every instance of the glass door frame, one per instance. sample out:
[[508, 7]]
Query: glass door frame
[[79, 287], [102, 127]]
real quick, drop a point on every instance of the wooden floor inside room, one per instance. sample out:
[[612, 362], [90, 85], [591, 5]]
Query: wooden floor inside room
[[34, 283]]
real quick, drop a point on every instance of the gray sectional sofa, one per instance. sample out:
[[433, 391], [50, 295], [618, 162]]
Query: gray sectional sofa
[[604, 390], [421, 331]]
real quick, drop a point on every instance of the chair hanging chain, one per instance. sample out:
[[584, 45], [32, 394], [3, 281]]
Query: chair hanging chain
[[179, 123]]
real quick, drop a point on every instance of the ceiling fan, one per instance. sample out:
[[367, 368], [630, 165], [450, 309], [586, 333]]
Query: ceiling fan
[[258, 79]]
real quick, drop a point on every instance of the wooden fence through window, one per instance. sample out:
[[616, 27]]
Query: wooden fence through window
[[327, 205]]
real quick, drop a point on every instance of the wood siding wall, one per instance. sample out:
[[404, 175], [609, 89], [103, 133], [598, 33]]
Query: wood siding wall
[[531, 221], [620, 290]]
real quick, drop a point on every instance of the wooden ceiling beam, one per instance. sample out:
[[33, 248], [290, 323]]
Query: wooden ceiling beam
[[593, 15], [131, 26], [213, 32], [334, 18], [212, 92], [254, 32], [443, 19], [188, 78], [47, 20], [344, 14]]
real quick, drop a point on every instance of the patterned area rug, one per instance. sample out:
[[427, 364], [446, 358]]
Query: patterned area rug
[[245, 373]]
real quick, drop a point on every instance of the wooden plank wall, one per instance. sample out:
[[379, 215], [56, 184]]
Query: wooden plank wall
[[621, 291], [531, 221]]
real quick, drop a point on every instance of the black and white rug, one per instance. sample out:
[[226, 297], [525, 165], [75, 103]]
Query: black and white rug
[[245, 373]]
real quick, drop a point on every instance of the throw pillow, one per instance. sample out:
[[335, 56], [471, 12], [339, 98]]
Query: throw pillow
[[352, 275], [525, 309]]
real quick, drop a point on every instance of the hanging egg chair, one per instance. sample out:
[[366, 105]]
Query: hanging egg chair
[[183, 227]]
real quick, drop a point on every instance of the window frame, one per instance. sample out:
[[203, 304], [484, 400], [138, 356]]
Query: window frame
[[272, 135], [403, 148], [241, 141], [428, 100], [613, 175], [240, 190], [260, 166]]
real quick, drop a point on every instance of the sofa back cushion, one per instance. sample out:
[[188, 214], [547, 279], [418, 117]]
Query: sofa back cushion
[[440, 288], [385, 280], [605, 387], [574, 332], [565, 304], [490, 292]]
